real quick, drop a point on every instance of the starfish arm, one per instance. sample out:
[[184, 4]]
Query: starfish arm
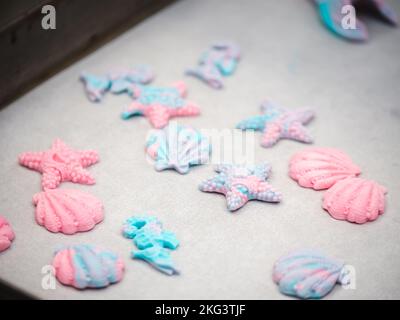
[[235, 199], [189, 109], [215, 184], [262, 171], [270, 109], [265, 192], [31, 160], [272, 133], [253, 123], [60, 146], [304, 116], [158, 116], [134, 109], [83, 176], [181, 87], [51, 178], [297, 131], [88, 157]]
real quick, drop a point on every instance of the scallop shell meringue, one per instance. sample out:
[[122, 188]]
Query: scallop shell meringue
[[321, 168], [355, 200], [67, 211], [307, 274]]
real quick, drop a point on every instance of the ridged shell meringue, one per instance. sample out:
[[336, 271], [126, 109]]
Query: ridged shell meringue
[[321, 168], [355, 200], [67, 211], [307, 274]]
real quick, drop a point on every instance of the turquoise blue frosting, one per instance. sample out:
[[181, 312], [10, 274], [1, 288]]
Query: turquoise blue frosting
[[93, 267], [153, 242]]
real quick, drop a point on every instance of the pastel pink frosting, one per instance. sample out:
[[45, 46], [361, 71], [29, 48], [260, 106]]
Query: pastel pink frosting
[[321, 168], [61, 163], [67, 211], [355, 200], [6, 234], [86, 266]]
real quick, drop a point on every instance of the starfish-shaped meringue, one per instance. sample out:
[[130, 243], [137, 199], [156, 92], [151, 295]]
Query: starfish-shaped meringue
[[332, 16], [160, 104], [278, 123], [240, 183], [60, 163]]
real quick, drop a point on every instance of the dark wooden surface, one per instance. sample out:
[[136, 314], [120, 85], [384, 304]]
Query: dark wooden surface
[[9, 293], [29, 54]]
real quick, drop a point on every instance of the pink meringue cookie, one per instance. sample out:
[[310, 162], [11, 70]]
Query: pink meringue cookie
[[60, 163], [321, 168], [6, 234], [355, 200], [87, 266], [67, 211]]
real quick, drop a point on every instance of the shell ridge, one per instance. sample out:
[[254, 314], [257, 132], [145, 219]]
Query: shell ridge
[[306, 274], [82, 276], [109, 259], [86, 266], [60, 197], [50, 214], [352, 197], [320, 168], [99, 267], [74, 201]]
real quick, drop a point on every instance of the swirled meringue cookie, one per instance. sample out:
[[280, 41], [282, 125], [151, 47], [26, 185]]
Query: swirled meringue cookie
[[86, 266], [308, 274]]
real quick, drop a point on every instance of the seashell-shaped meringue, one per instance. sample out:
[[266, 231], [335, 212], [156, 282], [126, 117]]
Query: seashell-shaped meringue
[[307, 274], [321, 168], [67, 211], [177, 147], [6, 234], [355, 200], [86, 266]]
